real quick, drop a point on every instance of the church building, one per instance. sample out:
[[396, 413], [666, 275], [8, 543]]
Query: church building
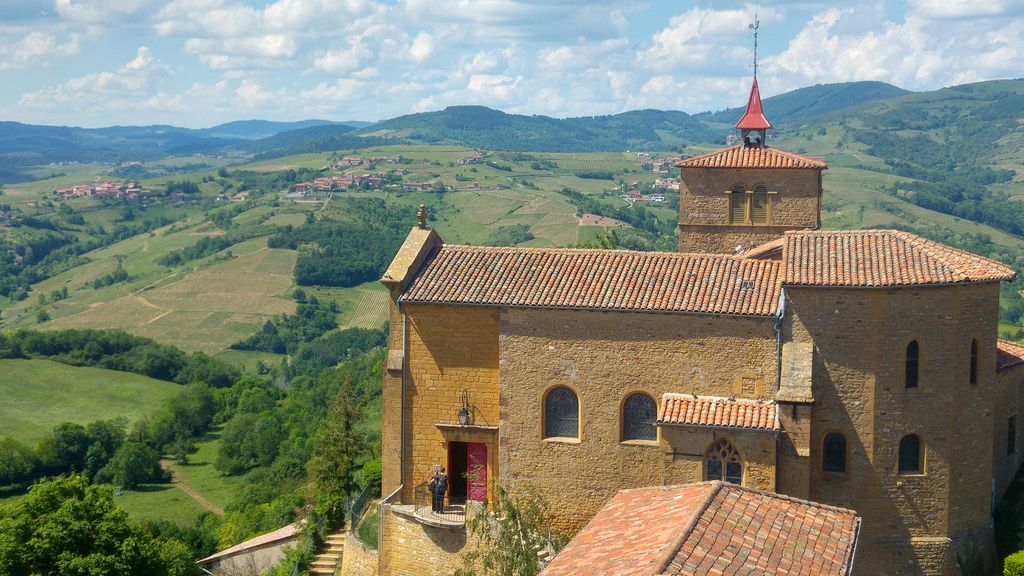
[[856, 369]]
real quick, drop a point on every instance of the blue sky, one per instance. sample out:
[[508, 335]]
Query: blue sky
[[201, 62]]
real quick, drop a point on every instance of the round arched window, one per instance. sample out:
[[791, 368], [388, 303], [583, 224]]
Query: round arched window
[[638, 415], [561, 414]]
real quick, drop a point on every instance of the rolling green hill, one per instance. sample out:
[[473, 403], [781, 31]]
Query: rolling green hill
[[482, 127], [812, 101], [38, 394]]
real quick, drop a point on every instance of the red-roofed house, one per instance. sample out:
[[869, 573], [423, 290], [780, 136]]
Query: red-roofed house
[[857, 369]]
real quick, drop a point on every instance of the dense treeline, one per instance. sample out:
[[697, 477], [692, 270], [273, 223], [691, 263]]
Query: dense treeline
[[336, 253], [333, 348], [117, 350], [284, 333], [66, 526]]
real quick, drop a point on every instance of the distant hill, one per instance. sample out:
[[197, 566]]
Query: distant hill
[[812, 101], [311, 139], [484, 127], [257, 129]]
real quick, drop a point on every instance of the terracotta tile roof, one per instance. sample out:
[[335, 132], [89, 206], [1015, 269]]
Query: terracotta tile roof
[[710, 528], [753, 118], [880, 258], [597, 280], [286, 533], [1008, 354], [692, 410], [751, 157]]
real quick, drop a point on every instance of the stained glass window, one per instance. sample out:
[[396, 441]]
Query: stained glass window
[[723, 463], [638, 415], [833, 457], [561, 414]]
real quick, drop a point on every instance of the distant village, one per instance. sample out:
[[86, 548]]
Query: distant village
[[127, 192], [390, 180]]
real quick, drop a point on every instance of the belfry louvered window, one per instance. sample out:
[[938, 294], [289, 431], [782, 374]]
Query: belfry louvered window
[[723, 462], [638, 415], [738, 204], [561, 414], [759, 205], [910, 460]]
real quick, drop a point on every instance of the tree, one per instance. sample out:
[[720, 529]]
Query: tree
[[18, 463], [66, 448], [134, 463], [337, 448], [509, 534], [65, 526]]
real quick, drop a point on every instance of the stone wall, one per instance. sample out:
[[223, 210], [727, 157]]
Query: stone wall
[[450, 350], [358, 559], [860, 338], [793, 203], [1008, 403], [411, 548], [605, 356]]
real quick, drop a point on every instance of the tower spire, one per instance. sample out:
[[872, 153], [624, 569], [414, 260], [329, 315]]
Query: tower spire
[[753, 119]]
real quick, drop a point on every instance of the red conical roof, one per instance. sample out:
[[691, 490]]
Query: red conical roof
[[753, 118]]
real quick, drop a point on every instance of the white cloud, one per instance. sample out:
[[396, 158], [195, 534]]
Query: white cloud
[[37, 48], [915, 54], [963, 8], [125, 86], [701, 38], [496, 86], [422, 47]]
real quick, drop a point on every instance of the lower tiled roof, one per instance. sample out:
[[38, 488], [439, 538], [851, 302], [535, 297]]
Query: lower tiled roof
[[710, 528], [878, 258], [597, 280], [712, 411], [751, 157], [1008, 354]]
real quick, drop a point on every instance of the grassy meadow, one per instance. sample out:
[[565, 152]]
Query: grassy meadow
[[39, 394]]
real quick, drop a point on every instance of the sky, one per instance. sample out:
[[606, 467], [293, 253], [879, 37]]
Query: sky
[[198, 63]]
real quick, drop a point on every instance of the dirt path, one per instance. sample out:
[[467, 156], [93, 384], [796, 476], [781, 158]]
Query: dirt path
[[177, 481]]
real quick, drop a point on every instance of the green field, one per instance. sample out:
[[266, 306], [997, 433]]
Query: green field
[[152, 502], [38, 394], [200, 474]]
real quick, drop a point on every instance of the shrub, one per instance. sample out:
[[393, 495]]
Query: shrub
[[372, 473], [1013, 565]]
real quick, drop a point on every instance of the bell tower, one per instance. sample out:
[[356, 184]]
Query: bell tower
[[741, 197]]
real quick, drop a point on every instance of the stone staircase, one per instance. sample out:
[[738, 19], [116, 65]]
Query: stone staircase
[[329, 559]]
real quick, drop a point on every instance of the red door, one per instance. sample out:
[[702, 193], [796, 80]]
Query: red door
[[476, 473]]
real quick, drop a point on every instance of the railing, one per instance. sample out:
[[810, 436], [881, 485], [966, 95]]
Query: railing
[[358, 506], [441, 510]]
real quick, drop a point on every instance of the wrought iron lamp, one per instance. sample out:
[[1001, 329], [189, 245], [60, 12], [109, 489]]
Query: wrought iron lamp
[[464, 411]]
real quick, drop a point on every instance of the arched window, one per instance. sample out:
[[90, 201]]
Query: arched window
[[723, 463], [561, 414], [638, 415], [759, 205], [738, 204], [911, 367], [974, 361], [833, 453], [910, 455]]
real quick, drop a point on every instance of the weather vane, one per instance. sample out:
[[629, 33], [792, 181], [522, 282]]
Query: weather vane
[[754, 27]]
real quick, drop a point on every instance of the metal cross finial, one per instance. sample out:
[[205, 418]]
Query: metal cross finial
[[421, 216], [754, 27]]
